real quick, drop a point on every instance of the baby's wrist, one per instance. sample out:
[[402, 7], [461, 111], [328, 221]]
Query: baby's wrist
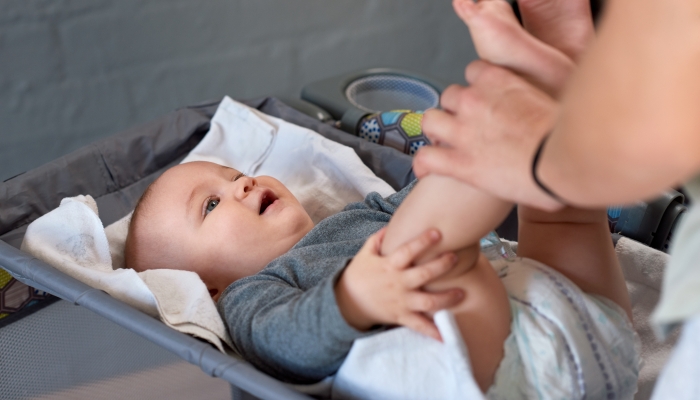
[[349, 309]]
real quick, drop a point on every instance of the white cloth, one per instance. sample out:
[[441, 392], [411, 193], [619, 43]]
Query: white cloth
[[680, 297], [403, 364], [322, 174], [679, 378], [563, 344], [71, 239], [680, 304], [643, 268]]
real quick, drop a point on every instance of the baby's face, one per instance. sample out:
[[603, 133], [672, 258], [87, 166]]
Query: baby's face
[[222, 224]]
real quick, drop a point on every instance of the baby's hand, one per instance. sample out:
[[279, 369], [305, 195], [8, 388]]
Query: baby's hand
[[376, 289], [500, 39]]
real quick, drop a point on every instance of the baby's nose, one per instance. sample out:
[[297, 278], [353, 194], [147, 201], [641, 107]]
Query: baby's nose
[[246, 184]]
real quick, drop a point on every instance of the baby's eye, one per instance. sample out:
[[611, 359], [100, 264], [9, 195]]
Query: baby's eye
[[211, 204]]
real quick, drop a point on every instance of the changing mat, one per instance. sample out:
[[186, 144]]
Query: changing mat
[[322, 174]]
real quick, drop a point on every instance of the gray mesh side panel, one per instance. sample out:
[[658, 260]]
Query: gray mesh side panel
[[377, 93], [62, 346], [175, 381]]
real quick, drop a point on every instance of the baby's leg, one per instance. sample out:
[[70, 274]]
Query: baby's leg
[[566, 25], [463, 215], [577, 243], [500, 39]]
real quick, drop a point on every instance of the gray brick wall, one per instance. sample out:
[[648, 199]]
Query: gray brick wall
[[73, 71]]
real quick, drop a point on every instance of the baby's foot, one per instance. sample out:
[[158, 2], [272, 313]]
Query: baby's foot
[[566, 25], [500, 39]]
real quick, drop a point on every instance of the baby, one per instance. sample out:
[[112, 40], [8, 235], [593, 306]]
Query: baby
[[295, 296]]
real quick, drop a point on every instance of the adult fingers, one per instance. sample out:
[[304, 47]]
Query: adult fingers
[[419, 301], [417, 276], [456, 99], [474, 69], [488, 75], [408, 252], [439, 127], [441, 161], [421, 324]]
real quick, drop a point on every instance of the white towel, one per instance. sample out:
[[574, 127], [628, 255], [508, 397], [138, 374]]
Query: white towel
[[644, 268], [71, 238], [403, 364], [322, 174], [679, 378]]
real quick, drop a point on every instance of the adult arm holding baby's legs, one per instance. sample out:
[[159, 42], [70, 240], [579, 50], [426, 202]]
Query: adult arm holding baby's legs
[[629, 123], [628, 128], [574, 241], [499, 111]]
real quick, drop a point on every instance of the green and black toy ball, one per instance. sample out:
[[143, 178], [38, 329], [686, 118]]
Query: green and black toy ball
[[400, 129]]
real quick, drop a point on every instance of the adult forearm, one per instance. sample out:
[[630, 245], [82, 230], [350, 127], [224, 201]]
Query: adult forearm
[[629, 126]]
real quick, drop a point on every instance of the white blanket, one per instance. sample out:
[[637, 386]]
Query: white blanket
[[322, 174], [403, 364]]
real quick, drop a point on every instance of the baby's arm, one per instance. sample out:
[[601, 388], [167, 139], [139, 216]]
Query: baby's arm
[[463, 215], [388, 289]]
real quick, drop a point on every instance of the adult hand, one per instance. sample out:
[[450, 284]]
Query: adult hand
[[493, 151], [486, 134]]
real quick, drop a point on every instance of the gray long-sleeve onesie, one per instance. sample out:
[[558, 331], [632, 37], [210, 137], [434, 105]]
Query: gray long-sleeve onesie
[[285, 319]]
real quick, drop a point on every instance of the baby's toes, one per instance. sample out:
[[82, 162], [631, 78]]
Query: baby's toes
[[496, 32], [464, 9]]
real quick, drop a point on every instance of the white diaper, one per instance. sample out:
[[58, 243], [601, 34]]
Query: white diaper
[[564, 344]]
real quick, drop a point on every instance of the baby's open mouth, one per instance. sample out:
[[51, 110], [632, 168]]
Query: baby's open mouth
[[267, 200]]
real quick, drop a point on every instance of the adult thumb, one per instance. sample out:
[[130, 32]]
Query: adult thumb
[[434, 160]]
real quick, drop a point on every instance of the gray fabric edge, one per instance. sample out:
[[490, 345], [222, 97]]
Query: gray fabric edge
[[237, 372]]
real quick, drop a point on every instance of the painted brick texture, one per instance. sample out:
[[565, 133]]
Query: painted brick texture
[[73, 71]]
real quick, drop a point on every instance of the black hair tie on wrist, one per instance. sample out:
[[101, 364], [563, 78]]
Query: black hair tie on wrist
[[539, 183]]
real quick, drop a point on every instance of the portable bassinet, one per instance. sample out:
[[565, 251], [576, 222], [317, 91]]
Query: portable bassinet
[[115, 171], [53, 346]]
